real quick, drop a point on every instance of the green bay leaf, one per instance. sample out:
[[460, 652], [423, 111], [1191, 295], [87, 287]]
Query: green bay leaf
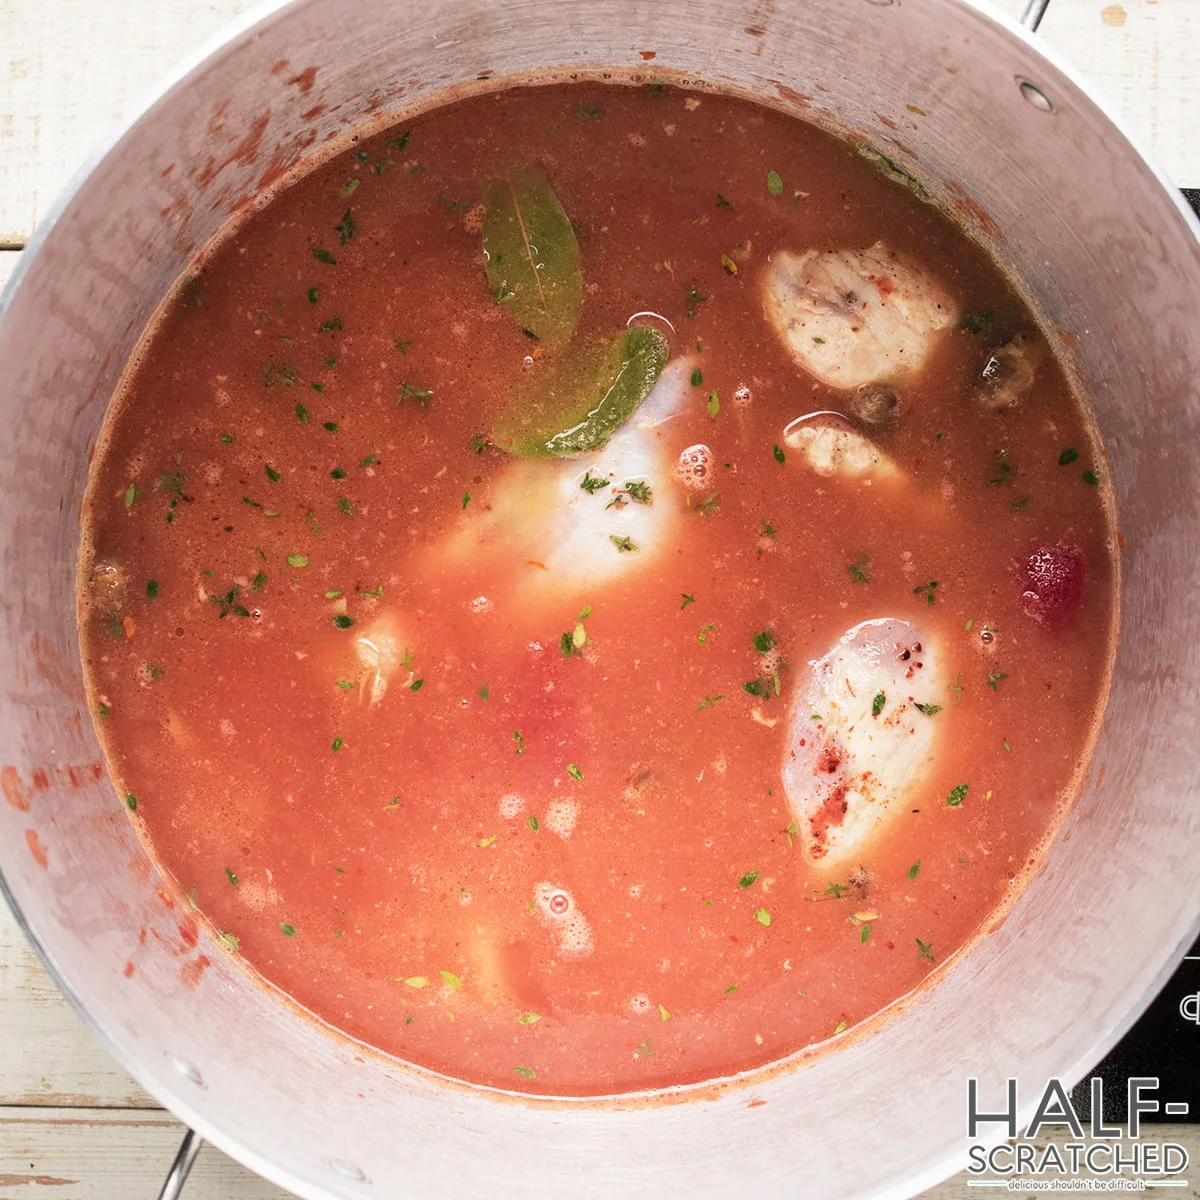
[[578, 405], [531, 256]]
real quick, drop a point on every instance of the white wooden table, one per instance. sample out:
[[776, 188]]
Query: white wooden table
[[73, 1125]]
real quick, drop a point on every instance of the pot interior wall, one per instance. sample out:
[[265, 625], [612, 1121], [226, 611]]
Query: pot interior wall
[[1105, 255]]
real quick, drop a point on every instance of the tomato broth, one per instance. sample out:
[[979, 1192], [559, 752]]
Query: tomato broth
[[495, 759]]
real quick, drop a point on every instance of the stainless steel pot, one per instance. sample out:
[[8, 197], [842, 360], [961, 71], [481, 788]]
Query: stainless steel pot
[[1000, 133]]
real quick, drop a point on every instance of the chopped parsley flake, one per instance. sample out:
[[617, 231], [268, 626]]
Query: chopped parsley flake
[[878, 703], [345, 507], [592, 483], [748, 879], [957, 795], [529, 1018], [858, 570], [993, 680], [342, 621], [527, 1072], [416, 685], [915, 869], [297, 560], [287, 930], [347, 229], [151, 589], [313, 296], [764, 641], [763, 917], [623, 544], [1091, 478], [777, 451], [714, 403], [925, 950], [233, 879], [272, 474], [1068, 456], [774, 183], [323, 255], [927, 590], [574, 772], [929, 709], [534, 824], [131, 801], [865, 935], [687, 599], [978, 322], [329, 326], [451, 979], [697, 377], [338, 743], [708, 702]]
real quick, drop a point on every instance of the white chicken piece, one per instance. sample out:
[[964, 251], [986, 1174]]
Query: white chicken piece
[[380, 655], [564, 533], [853, 317], [831, 446], [858, 740]]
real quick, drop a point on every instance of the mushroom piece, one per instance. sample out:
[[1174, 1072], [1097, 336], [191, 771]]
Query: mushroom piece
[[876, 404], [854, 317], [862, 733], [831, 446], [1008, 373]]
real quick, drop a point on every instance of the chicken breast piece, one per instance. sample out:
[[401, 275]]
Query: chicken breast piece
[[831, 446], [854, 317], [565, 534], [858, 742]]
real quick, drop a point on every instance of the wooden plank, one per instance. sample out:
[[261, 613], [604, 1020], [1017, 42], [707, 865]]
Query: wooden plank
[[72, 1154], [47, 1054], [72, 70]]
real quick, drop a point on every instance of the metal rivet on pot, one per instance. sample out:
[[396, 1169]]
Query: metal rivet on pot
[[185, 1068], [346, 1169], [1035, 95]]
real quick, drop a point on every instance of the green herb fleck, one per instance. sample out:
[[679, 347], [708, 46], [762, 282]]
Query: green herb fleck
[[697, 377], [696, 299], [233, 879], [1091, 478], [714, 403], [925, 950], [297, 560], [519, 740], [878, 703], [323, 255], [1017, 505], [574, 772], [534, 824], [747, 880], [865, 935], [1003, 468], [708, 702], [1068, 456], [763, 917], [915, 869], [858, 570], [345, 507], [978, 322], [927, 590], [333, 324], [584, 113], [993, 680], [287, 930], [777, 451], [592, 483], [774, 183], [131, 494], [687, 599], [416, 685], [928, 709], [957, 795], [347, 229], [151, 589], [723, 203], [337, 744], [342, 621], [764, 641], [131, 801], [451, 979], [623, 544], [527, 1072], [529, 1018]]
